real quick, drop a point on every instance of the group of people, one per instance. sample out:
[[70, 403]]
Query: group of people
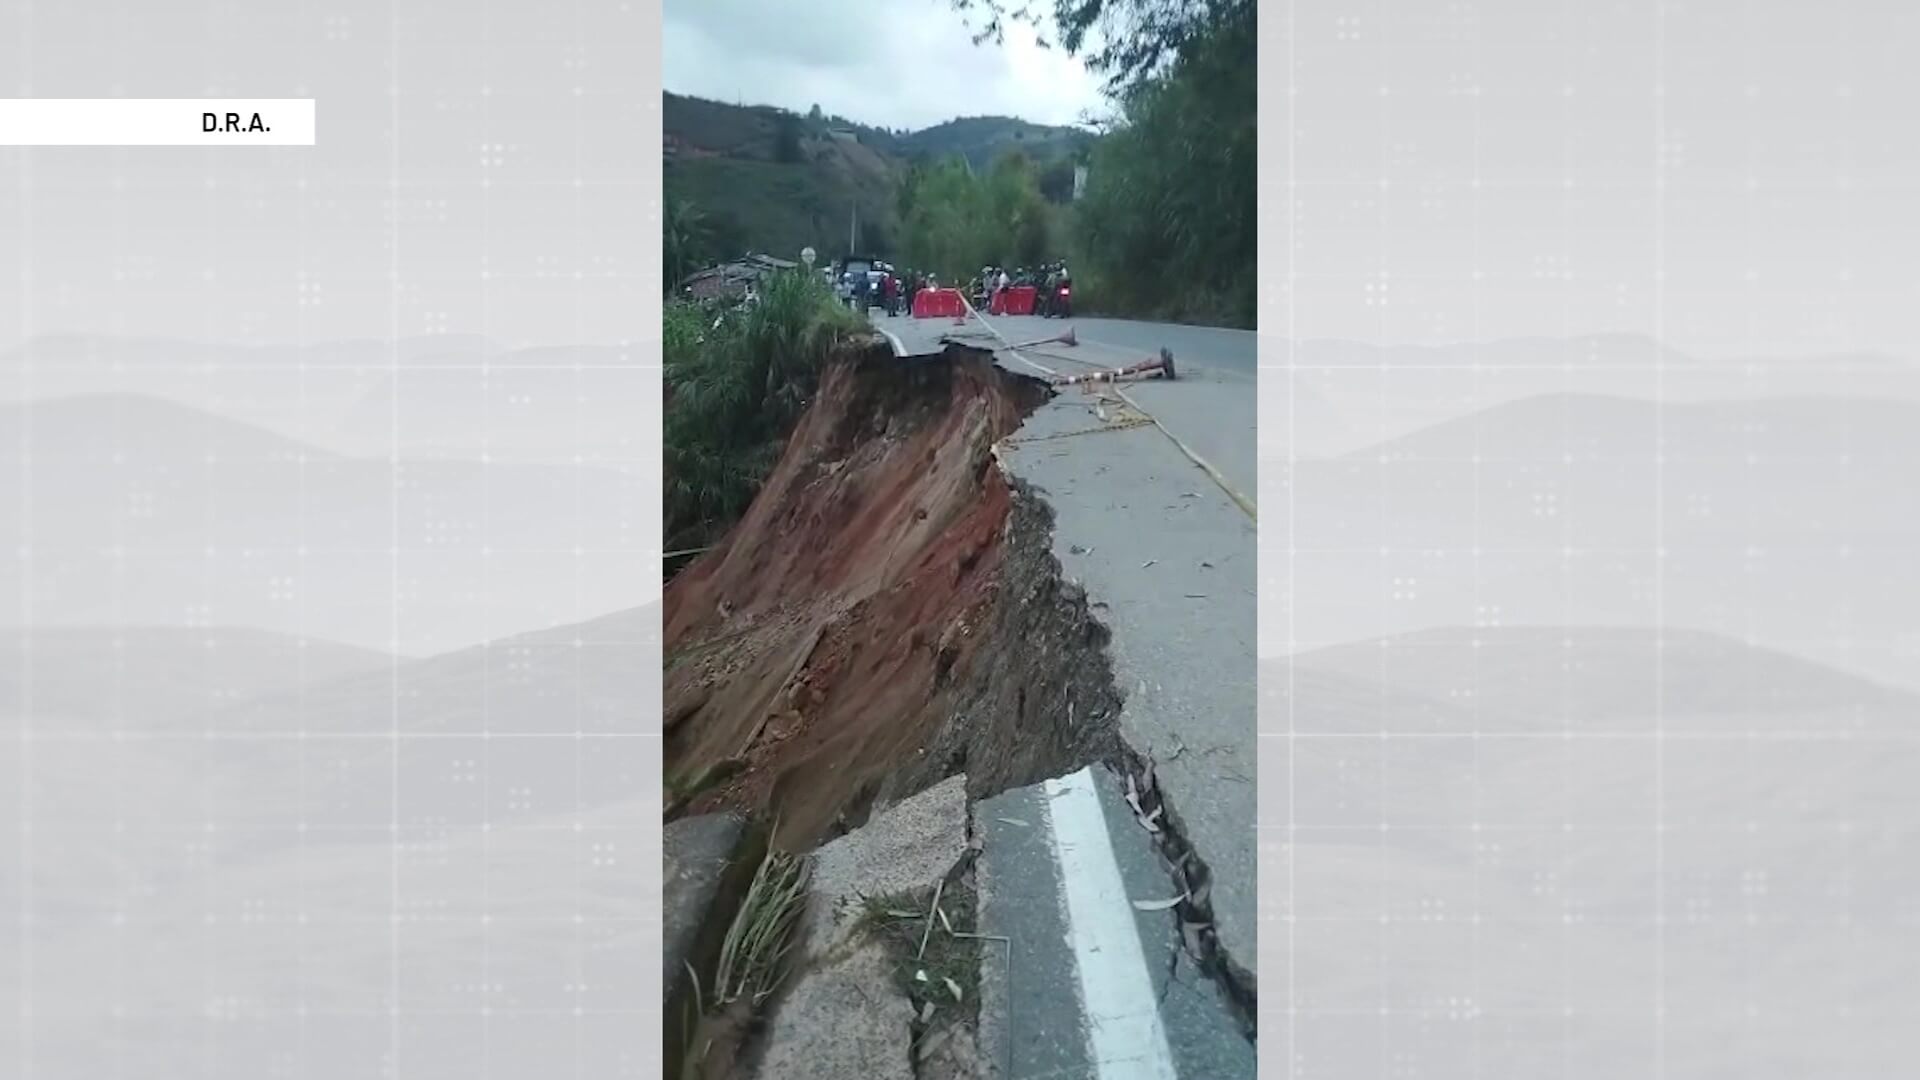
[[884, 286], [892, 289], [1051, 282]]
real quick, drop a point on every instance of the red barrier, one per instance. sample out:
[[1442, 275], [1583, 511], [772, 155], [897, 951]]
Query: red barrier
[[938, 304], [1013, 300]]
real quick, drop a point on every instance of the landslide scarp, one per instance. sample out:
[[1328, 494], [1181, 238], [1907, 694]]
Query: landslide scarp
[[887, 613]]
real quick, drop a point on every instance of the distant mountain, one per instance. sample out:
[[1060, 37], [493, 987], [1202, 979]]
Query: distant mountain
[[137, 430], [1784, 522], [478, 831], [133, 677], [1582, 678], [1522, 870], [982, 139], [430, 397], [1346, 395], [776, 181], [1585, 426], [145, 511], [585, 676]]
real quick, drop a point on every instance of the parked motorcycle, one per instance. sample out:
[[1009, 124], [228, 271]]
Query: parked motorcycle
[[1061, 302]]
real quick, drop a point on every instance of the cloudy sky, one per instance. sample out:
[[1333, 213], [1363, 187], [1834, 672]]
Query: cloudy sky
[[890, 63]]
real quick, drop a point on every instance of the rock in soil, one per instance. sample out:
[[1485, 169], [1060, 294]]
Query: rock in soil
[[844, 1015], [846, 1021], [709, 861], [907, 847], [956, 1056]]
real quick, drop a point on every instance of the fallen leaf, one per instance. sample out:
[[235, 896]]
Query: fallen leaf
[[1159, 905], [954, 989], [1014, 821]]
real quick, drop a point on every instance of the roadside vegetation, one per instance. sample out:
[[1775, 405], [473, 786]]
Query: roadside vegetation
[[755, 959], [1165, 228], [935, 951], [737, 378], [954, 220]]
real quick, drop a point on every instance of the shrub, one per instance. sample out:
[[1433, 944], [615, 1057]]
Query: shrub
[[737, 378]]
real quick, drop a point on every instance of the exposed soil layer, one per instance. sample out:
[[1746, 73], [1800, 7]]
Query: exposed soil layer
[[887, 613]]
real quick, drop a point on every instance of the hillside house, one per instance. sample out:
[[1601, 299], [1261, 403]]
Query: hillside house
[[730, 279]]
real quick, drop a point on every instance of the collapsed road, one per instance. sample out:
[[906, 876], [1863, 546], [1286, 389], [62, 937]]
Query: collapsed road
[[954, 571]]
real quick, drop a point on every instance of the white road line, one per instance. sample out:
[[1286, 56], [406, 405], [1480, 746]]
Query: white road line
[[899, 349], [1015, 353], [1125, 1038], [1246, 505]]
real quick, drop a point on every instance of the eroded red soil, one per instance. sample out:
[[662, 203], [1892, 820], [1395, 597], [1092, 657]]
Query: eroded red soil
[[847, 640]]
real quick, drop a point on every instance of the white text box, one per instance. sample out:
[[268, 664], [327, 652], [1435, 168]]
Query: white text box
[[156, 121]]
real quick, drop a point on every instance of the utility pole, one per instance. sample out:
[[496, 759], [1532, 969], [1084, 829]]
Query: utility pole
[[853, 220]]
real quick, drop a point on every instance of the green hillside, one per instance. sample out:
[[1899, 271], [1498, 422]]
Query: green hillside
[[982, 139], [766, 179]]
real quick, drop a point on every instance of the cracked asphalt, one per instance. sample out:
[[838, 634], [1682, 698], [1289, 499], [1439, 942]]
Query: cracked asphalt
[[1168, 561]]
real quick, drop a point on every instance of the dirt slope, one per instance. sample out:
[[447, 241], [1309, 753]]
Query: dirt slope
[[886, 613]]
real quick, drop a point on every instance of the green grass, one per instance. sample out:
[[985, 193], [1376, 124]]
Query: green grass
[[737, 381], [753, 959], [929, 958]]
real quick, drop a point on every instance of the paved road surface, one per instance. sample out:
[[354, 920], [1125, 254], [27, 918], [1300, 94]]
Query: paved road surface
[[1169, 561], [1218, 426], [1087, 985]]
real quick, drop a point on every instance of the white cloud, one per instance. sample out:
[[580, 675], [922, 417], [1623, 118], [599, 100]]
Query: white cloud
[[905, 63]]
